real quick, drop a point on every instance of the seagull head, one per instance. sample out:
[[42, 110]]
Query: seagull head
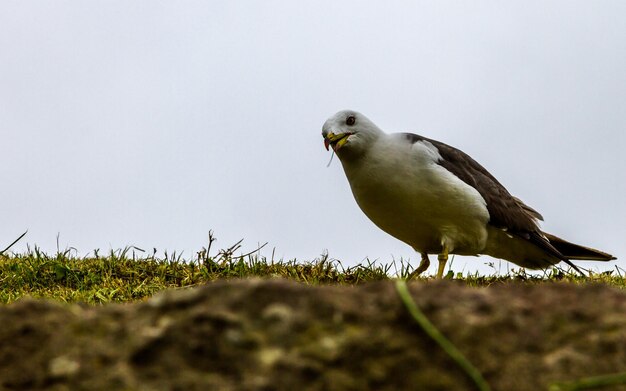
[[349, 131]]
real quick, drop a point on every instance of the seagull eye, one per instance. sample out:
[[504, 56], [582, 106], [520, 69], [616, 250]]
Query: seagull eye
[[350, 120]]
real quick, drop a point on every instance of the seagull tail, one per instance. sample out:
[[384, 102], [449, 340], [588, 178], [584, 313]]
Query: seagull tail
[[575, 251]]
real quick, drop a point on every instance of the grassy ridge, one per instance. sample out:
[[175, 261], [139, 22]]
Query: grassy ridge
[[122, 276]]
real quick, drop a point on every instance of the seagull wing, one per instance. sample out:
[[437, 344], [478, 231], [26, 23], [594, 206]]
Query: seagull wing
[[505, 210]]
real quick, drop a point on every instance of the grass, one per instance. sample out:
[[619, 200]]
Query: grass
[[123, 275], [130, 275]]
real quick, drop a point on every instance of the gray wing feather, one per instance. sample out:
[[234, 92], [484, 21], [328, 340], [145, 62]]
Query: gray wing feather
[[505, 211]]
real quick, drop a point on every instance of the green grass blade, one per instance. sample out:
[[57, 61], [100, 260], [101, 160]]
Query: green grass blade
[[590, 383], [439, 338], [15, 241]]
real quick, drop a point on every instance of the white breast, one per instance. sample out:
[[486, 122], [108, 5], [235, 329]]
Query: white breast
[[403, 190]]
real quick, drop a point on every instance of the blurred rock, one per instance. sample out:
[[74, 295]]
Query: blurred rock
[[279, 335]]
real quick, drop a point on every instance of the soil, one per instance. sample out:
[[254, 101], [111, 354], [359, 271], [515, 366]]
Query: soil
[[280, 335]]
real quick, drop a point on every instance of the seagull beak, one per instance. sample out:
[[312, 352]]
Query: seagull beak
[[336, 140]]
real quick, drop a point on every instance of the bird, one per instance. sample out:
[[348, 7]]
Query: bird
[[439, 200]]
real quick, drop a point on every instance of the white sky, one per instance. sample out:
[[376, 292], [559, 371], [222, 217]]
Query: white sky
[[148, 123]]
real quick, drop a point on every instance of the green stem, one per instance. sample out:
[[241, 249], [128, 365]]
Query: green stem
[[15, 241], [588, 383], [438, 337]]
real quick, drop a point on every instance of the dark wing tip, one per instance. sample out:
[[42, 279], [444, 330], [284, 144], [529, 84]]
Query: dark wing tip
[[578, 252]]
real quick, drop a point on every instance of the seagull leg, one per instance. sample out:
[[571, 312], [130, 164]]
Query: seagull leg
[[424, 263], [443, 258]]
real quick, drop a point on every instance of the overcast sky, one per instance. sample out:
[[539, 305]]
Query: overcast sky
[[149, 123]]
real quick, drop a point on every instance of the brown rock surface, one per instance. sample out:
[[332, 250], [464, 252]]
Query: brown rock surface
[[280, 335]]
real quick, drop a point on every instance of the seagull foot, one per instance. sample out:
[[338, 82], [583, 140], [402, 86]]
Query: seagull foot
[[423, 266]]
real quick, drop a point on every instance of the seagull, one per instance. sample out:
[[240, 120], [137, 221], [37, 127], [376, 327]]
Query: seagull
[[439, 200]]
